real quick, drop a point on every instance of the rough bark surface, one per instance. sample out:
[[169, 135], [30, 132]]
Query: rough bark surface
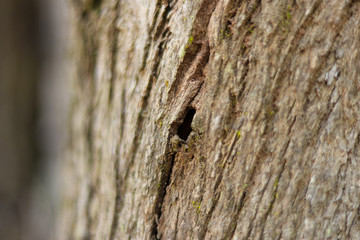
[[214, 119]]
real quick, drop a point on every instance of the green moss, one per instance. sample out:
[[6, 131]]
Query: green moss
[[288, 14], [287, 18]]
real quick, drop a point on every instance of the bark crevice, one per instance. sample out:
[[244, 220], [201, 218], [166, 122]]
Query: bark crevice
[[114, 36], [246, 96]]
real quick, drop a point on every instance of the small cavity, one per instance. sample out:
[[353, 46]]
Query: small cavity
[[96, 4], [185, 128]]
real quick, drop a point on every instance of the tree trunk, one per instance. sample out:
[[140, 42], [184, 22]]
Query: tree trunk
[[214, 119], [20, 69]]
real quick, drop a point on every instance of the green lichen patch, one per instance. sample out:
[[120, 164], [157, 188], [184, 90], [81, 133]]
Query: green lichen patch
[[238, 134], [189, 42], [182, 52], [196, 205]]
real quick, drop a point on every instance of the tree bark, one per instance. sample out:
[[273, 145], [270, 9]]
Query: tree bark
[[214, 119], [20, 63]]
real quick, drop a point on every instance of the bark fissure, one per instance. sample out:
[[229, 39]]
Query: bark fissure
[[139, 124], [122, 113], [165, 179], [90, 41], [159, 29], [163, 23], [243, 77], [279, 71], [322, 121], [85, 74], [191, 69], [248, 27], [307, 22], [167, 169], [176, 224], [275, 191], [248, 179], [356, 218], [88, 224], [149, 38], [205, 226], [316, 73], [274, 197], [114, 36], [262, 151], [252, 7], [218, 193], [238, 210], [198, 51], [251, 225], [330, 107], [117, 203]]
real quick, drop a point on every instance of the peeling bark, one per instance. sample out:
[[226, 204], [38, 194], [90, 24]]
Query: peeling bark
[[214, 119]]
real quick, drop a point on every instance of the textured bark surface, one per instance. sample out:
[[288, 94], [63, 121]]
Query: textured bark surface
[[214, 119]]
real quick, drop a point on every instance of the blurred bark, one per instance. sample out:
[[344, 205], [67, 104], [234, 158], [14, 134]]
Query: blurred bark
[[214, 119], [19, 74]]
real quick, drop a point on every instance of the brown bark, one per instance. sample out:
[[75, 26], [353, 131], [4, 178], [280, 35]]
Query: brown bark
[[214, 119]]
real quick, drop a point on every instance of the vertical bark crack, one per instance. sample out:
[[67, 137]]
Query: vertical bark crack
[[167, 169], [114, 49], [120, 187], [115, 219]]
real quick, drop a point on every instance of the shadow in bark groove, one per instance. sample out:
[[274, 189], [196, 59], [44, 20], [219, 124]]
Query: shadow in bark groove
[[183, 132], [164, 183], [185, 128], [114, 48]]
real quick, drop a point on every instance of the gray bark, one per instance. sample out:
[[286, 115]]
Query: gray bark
[[272, 150]]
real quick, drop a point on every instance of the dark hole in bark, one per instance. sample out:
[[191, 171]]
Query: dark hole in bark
[[96, 4], [185, 128]]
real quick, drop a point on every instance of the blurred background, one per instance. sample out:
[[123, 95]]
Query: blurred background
[[34, 73]]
